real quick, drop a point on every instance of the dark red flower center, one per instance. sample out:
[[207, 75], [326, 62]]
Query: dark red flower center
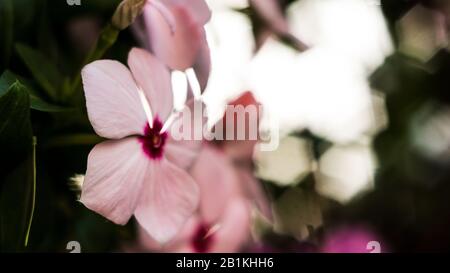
[[153, 140], [202, 241]]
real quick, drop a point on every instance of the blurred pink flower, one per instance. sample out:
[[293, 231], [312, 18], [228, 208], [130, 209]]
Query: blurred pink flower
[[241, 153], [352, 240], [222, 223], [228, 193], [140, 170], [174, 31], [240, 149]]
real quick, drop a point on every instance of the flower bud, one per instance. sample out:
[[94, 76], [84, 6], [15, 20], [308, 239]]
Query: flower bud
[[126, 13]]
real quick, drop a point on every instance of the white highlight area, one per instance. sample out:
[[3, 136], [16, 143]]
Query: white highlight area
[[318, 89], [179, 87], [355, 28], [345, 171], [230, 39], [324, 89]]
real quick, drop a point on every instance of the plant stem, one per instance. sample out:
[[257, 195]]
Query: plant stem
[[33, 201]]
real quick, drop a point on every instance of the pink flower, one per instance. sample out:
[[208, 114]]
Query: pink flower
[[241, 149], [352, 240], [229, 192], [222, 223], [241, 152], [140, 170], [174, 31]]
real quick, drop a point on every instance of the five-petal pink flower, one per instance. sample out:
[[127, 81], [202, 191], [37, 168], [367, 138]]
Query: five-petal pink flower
[[228, 194], [140, 170]]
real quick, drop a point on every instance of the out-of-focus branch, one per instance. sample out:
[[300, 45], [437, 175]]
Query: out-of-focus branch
[[270, 11]]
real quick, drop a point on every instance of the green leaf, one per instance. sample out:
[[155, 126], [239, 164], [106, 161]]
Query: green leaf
[[17, 202], [39, 104], [6, 32], [36, 102], [126, 13], [18, 173], [15, 126], [43, 70]]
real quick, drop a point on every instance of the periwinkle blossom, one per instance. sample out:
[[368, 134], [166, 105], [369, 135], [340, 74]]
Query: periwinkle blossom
[[140, 170], [229, 196], [174, 31]]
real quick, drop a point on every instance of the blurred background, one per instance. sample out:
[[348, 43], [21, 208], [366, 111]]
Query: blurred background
[[360, 89]]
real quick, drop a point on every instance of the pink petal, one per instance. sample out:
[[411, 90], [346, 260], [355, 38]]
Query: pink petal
[[112, 100], [217, 180], [202, 65], [183, 151], [154, 78], [234, 229], [197, 8], [178, 48], [241, 149], [180, 154], [165, 11], [139, 31], [169, 198], [255, 193], [181, 242], [114, 178]]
